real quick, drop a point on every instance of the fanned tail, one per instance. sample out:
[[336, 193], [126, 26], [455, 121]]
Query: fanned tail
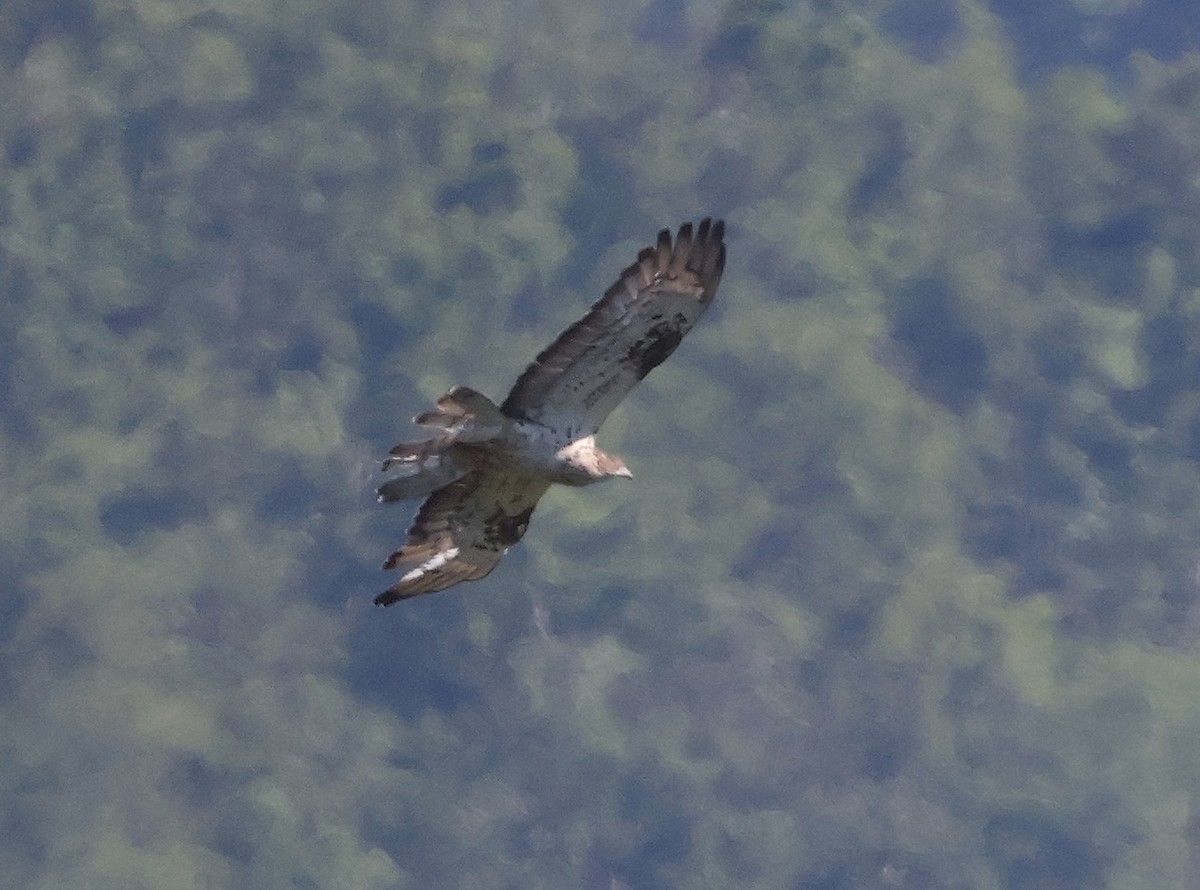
[[423, 467], [464, 417]]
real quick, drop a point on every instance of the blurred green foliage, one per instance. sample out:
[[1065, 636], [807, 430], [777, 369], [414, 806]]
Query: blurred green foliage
[[905, 594]]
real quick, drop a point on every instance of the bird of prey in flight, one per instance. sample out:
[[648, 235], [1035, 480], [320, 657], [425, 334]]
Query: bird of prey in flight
[[484, 467]]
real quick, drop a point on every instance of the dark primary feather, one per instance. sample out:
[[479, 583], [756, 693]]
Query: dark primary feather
[[577, 380]]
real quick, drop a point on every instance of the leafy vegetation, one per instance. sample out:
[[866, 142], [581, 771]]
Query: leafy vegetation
[[906, 594]]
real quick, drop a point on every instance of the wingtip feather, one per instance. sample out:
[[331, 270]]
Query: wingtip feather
[[707, 254], [391, 596]]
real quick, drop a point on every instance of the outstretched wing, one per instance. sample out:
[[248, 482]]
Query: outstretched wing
[[592, 366], [462, 531]]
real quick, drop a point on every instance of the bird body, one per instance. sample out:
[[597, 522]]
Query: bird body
[[484, 467]]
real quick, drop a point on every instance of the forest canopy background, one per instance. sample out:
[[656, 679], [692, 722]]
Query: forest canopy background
[[906, 591]]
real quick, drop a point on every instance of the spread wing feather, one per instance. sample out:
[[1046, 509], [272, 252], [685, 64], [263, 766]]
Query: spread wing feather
[[578, 380], [462, 531]]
